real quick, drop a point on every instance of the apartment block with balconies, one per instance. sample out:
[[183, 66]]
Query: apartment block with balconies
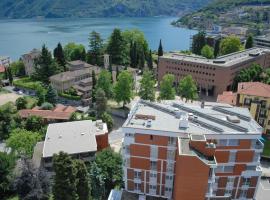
[[191, 151]]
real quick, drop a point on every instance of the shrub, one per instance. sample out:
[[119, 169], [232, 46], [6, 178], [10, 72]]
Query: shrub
[[46, 106]]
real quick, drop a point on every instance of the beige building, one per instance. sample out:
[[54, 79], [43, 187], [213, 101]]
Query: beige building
[[5, 61], [28, 60], [213, 76]]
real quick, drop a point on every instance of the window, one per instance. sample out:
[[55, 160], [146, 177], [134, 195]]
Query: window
[[153, 165], [129, 135], [232, 156], [228, 192], [170, 167], [137, 174], [228, 169], [219, 169], [172, 140], [168, 189], [246, 181], [247, 101], [170, 154], [137, 186], [222, 142], [153, 175], [152, 187], [243, 193], [233, 143], [169, 177], [230, 179], [256, 157], [127, 149]]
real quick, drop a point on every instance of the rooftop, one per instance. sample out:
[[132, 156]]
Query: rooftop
[[222, 61], [227, 97], [33, 53], [60, 112], [254, 89], [72, 137], [183, 118]]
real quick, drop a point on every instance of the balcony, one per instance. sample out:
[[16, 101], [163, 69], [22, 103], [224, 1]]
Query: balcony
[[258, 145]]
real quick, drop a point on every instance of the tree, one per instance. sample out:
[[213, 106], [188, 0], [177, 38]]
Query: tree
[[22, 141], [160, 49], [41, 95], [74, 51], [65, 179], [216, 49], [10, 76], [105, 117], [167, 91], [207, 52], [117, 72], [110, 164], [147, 87], [46, 106], [116, 46], [187, 88], [34, 123], [198, 42], [123, 88], [17, 68], [150, 60], [229, 45], [141, 61], [249, 42], [21, 103], [97, 182], [133, 54], [101, 102], [6, 172], [95, 47], [83, 188], [59, 55], [45, 66], [32, 184], [7, 122], [51, 95], [105, 83]]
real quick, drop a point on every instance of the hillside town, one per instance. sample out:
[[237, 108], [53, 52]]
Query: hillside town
[[117, 120]]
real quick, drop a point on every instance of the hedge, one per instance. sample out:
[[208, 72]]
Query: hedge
[[27, 83], [70, 97]]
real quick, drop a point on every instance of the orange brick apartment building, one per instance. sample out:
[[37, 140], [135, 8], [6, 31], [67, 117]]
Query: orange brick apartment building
[[191, 152], [213, 76]]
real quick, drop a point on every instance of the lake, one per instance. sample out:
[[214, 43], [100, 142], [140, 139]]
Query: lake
[[20, 36]]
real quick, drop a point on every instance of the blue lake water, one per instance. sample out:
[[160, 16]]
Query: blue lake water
[[20, 36]]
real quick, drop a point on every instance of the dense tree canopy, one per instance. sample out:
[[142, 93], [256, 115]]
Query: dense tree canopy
[[59, 56], [105, 83], [23, 142], [147, 86], [51, 95], [167, 91], [21, 103], [17, 68], [74, 52], [101, 102], [123, 89], [229, 45], [187, 88], [198, 42], [207, 52], [116, 46], [95, 48], [249, 42], [34, 123], [7, 122]]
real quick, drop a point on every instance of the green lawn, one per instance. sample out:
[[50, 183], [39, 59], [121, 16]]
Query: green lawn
[[266, 150], [27, 83], [13, 198], [31, 102]]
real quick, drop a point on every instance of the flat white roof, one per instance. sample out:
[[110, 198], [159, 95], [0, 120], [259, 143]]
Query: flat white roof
[[72, 137]]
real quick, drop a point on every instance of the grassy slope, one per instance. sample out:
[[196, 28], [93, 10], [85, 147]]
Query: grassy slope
[[95, 8]]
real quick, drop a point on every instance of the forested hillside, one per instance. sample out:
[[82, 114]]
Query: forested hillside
[[96, 8]]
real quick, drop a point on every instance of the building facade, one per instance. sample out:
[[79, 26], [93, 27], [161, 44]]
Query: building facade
[[28, 60], [213, 76], [262, 41], [5, 61], [252, 95], [191, 151]]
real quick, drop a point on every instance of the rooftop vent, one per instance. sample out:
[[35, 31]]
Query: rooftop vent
[[149, 123], [82, 133], [183, 124], [60, 136], [233, 119]]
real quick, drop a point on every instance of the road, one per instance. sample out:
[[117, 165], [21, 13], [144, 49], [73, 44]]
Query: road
[[263, 192]]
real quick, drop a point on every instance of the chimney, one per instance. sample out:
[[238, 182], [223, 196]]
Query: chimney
[[202, 104]]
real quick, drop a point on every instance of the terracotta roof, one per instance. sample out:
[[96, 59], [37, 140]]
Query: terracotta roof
[[60, 112], [254, 89], [227, 97], [2, 69]]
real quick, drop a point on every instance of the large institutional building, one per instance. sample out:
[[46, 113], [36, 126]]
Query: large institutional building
[[191, 151], [213, 76]]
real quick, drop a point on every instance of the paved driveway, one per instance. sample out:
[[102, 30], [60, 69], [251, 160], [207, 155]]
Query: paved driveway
[[263, 192], [10, 97]]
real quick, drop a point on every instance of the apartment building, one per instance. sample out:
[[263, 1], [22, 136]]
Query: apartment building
[[183, 151], [252, 95], [28, 60], [80, 139], [213, 76], [262, 41]]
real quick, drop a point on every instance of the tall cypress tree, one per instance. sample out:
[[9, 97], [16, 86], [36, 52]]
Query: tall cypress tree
[[65, 179], [150, 60], [198, 42], [59, 56], [116, 47], [216, 49], [51, 95], [160, 49], [131, 54], [249, 42], [141, 60], [83, 185], [94, 82]]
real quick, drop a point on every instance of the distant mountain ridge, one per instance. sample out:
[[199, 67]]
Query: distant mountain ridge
[[97, 8]]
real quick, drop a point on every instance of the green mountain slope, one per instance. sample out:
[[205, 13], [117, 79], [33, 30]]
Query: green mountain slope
[[254, 14], [96, 8]]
